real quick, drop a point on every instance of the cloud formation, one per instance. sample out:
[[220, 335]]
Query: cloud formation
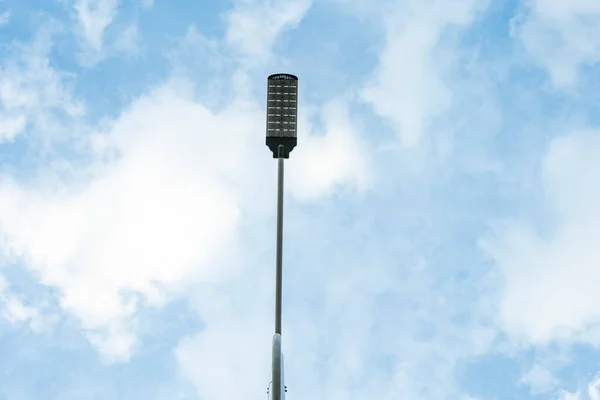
[[551, 279], [254, 25], [137, 200], [93, 17], [561, 36], [32, 92], [408, 86]]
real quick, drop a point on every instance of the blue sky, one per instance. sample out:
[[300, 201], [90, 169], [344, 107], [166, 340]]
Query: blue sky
[[441, 219]]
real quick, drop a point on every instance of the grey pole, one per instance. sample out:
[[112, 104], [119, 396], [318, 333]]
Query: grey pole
[[277, 368], [279, 257], [277, 356]]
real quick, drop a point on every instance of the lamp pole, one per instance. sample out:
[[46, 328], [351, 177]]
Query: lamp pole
[[282, 113]]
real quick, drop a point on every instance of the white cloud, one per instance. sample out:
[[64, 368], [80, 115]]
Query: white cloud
[[539, 379], [128, 40], [594, 389], [164, 210], [551, 281], [164, 214], [408, 86], [254, 25], [233, 348], [569, 396], [161, 215], [4, 18], [10, 127], [94, 16], [561, 36], [593, 392], [342, 292], [31, 91], [12, 309], [147, 4], [15, 311], [345, 288], [333, 158], [153, 219]]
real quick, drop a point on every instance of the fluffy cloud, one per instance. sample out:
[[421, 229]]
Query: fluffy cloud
[[254, 25], [234, 347], [539, 379], [94, 16], [4, 18], [157, 215], [569, 396], [32, 91], [11, 308], [160, 204], [352, 328], [334, 158], [170, 202], [594, 389], [128, 40], [593, 392], [561, 36], [146, 222], [551, 280], [408, 87], [10, 127]]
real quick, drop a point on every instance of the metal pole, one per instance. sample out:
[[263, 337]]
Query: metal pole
[[279, 257], [277, 359], [277, 368]]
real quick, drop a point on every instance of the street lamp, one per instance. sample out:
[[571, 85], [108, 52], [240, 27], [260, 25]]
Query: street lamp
[[282, 113], [282, 116]]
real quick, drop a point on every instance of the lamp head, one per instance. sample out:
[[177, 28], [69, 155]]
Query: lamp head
[[282, 113]]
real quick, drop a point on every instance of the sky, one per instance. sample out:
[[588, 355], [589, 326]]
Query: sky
[[441, 208]]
